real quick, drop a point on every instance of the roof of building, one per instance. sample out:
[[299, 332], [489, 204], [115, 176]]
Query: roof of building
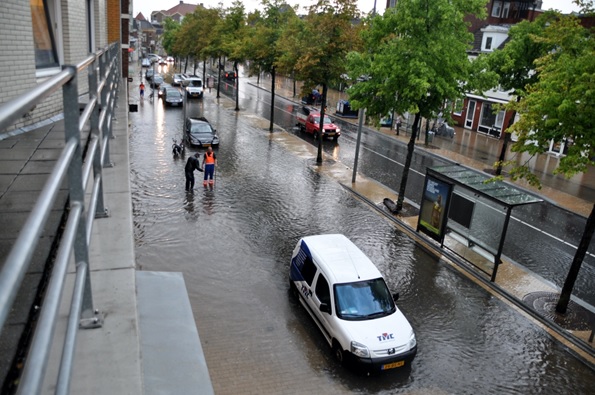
[[140, 17], [181, 8]]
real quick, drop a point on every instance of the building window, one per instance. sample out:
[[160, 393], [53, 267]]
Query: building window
[[488, 43], [46, 53], [505, 10], [489, 121], [91, 25], [457, 106], [497, 9]]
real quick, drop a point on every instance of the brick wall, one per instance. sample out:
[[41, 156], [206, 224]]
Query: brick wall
[[17, 63]]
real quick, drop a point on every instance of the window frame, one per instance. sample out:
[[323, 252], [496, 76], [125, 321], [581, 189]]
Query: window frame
[[497, 9], [54, 21]]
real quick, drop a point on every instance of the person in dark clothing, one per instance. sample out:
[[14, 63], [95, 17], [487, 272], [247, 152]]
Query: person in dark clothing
[[193, 163]]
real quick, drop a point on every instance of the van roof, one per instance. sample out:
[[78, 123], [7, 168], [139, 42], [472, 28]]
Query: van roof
[[340, 259]]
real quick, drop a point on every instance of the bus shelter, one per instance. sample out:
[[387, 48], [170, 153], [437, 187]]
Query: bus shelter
[[470, 211]]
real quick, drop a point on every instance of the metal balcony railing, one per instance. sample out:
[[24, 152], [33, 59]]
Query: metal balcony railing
[[104, 79]]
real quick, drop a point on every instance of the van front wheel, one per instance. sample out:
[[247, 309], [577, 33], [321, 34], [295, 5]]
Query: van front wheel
[[339, 353]]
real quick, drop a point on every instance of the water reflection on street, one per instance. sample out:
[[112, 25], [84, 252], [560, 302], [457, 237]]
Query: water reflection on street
[[233, 243]]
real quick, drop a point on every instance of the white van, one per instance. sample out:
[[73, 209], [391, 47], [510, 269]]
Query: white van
[[193, 86], [349, 301]]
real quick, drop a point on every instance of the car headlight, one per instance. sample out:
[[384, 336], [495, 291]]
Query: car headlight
[[412, 341], [359, 350], [338, 130]]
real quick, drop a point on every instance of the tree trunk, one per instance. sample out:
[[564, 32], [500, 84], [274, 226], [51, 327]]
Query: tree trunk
[[235, 70], [273, 75], [204, 74], [410, 149], [219, 77], [502, 153], [576, 263], [321, 125], [186, 65]]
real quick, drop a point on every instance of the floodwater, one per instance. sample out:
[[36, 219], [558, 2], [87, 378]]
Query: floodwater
[[233, 244], [541, 237]]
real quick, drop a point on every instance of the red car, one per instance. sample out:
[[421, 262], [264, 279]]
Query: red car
[[230, 75]]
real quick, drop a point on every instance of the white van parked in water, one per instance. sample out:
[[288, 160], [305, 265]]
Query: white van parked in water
[[347, 297]]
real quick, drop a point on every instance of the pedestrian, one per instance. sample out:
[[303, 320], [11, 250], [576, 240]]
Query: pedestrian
[[209, 162], [142, 90], [193, 163], [398, 124]]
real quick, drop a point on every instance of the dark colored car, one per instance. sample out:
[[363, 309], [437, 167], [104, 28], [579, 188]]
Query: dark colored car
[[172, 97], [199, 132], [162, 89], [156, 81], [230, 75], [149, 74]]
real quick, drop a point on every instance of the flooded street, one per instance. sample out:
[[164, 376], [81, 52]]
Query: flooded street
[[233, 243]]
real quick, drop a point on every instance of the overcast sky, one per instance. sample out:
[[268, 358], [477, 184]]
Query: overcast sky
[[148, 6]]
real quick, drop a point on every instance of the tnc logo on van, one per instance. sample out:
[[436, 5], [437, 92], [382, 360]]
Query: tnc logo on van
[[385, 336]]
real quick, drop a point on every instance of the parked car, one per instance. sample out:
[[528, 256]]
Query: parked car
[[230, 75], [156, 81], [178, 79], [149, 74], [172, 97], [153, 57], [145, 62], [199, 132], [349, 301]]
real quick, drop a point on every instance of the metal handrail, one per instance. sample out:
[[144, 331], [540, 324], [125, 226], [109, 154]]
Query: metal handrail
[[104, 78]]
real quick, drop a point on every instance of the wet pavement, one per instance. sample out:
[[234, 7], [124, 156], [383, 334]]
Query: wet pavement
[[233, 244]]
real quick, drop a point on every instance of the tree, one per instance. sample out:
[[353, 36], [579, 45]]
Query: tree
[[559, 106], [169, 36], [329, 35], [416, 59], [266, 29], [514, 65], [234, 31]]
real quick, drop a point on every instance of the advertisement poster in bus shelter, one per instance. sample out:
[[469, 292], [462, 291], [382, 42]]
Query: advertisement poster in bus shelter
[[434, 208]]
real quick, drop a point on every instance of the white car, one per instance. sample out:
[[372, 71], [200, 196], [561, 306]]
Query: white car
[[145, 62], [349, 301]]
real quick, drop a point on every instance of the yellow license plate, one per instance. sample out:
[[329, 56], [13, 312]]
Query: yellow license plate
[[393, 365]]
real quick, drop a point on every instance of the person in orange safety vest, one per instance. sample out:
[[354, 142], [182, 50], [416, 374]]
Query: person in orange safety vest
[[209, 163]]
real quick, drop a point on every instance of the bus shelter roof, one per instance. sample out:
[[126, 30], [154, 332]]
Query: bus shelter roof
[[500, 191]]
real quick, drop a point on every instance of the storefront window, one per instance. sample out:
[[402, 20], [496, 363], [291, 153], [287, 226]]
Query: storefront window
[[491, 122], [45, 45]]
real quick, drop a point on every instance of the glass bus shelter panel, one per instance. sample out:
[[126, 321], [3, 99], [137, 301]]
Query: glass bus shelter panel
[[486, 224]]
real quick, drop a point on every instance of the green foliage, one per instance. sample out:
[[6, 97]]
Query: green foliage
[[327, 36], [170, 35], [559, 105], [265, 30], [415, 57], [515, 63]]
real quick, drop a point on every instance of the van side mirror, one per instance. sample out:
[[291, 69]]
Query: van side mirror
[[325, 308], [396, 296]]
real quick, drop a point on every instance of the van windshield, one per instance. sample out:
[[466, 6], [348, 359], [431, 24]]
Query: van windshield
[[363, 300]]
